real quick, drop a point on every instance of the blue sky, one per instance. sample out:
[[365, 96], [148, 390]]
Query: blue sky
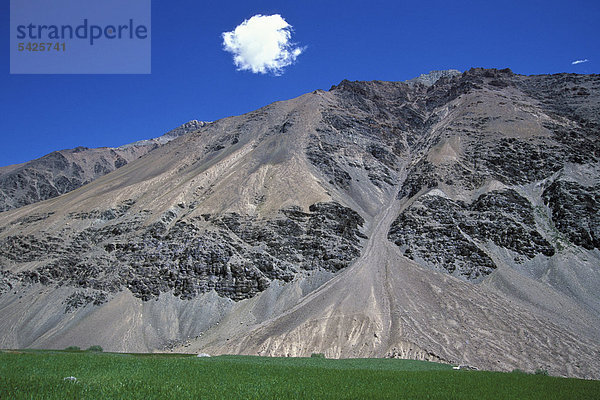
[[194, 78]]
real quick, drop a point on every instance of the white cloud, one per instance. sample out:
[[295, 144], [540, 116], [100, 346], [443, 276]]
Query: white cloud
[[262, 44], [579, 61]]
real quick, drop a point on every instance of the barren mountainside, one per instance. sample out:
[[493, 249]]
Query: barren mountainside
[[453, 217], [62, 171]]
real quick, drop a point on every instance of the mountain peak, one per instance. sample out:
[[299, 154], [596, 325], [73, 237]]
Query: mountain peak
[[188, 127], [433, 76], [181, 130]]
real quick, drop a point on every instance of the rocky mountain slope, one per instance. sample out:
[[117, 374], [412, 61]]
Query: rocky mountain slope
[[451, 219], [62, 171]]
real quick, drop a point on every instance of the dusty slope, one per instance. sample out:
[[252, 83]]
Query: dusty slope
[[387, 305], [456, 221]]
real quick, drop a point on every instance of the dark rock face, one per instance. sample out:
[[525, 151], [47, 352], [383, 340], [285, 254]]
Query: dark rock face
[[5, 282], [375, 127], [26, 248], [81, 299], [451, 235], [322, 155], [422, 176], [368, 135], [105, 214], [237, 256], [514, 161], [575, 212], [572, 96]]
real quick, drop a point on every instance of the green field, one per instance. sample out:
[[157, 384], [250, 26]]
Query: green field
[[40, 375]]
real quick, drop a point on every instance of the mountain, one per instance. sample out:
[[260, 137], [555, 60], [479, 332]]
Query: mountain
[[454, 220], [62, 171]]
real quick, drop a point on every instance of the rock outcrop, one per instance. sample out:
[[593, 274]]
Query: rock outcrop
[[236, 256]]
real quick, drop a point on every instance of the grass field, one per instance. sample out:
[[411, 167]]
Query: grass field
[[40, 375]]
